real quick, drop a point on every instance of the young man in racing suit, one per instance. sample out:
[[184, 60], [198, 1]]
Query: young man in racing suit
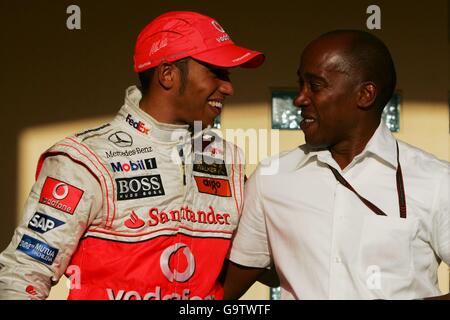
[[142, 207]]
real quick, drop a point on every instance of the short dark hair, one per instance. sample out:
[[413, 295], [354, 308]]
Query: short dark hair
[[146, 76], [370, 57]]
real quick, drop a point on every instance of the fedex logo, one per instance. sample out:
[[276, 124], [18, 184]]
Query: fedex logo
[[145, 164], [138, 125]]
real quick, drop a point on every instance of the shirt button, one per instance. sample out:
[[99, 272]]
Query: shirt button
[[337, 260]]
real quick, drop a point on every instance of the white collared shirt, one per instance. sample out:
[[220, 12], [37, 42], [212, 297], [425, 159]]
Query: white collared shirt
[[326, 244]]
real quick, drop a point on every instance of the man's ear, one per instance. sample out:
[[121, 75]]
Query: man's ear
[[367, 94], [166, 73]]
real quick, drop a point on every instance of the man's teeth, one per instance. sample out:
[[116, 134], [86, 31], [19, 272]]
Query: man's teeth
[[309, 120], [216, 104]]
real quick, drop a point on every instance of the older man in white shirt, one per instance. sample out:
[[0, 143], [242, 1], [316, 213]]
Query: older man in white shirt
[[352, 214]]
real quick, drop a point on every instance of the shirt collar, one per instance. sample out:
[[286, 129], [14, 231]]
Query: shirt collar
[[134, 118], [382, 145]]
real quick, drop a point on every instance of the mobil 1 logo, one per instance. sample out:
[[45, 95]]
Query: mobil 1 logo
[[145, 164], [139, 187]]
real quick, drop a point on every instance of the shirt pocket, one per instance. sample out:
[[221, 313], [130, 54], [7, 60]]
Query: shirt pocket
[[386, 246]]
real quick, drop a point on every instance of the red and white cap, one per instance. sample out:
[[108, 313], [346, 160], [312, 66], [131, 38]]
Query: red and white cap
[[179, 34]]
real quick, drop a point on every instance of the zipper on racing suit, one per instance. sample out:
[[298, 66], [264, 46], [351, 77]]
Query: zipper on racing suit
[[183, 164]]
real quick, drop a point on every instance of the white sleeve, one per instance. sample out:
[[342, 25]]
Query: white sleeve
[[441, 220], [250, 244], [64, 200]]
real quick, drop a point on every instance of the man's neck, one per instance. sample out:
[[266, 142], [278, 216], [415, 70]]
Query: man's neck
[[157, 109], [344, 152]]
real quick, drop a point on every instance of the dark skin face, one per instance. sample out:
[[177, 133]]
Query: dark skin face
[[199, 97], [204, 94], [336, 105]]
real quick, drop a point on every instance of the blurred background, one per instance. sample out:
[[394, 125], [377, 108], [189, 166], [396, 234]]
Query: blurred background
[[55, 81]]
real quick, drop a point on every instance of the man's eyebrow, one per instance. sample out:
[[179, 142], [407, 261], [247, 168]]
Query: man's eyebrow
[[309, 76], [222, 72]]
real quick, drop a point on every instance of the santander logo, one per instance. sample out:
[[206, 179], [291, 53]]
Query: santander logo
[[134, 222]]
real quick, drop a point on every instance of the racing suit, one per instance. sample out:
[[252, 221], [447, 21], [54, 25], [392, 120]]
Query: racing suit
[[133, 209]]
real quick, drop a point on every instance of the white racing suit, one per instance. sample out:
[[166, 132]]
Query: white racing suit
[[133, 209]]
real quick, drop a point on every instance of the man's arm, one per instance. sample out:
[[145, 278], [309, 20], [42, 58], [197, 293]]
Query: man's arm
[[62, 202], [440, 236], [249, 246], [443, 297], [238, 279]]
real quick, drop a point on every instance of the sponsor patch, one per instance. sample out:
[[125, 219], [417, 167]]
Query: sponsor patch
[[60, 195], [37, 249], [217, 187], [210, 165], [121, 139], [134, 222], [92, 130], [146, 164], [42, 223], [139, 187], [138, 125], [128, 153], [31, 290]]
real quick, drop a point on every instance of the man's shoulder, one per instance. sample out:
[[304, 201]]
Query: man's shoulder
[[419, 159], [86, 138], [93, 132], [283, 162]]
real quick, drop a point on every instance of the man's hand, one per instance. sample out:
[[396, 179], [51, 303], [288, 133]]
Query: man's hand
[[443, 297], [238, 279]]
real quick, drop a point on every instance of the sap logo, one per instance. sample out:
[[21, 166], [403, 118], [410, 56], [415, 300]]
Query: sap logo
[[145, 164], [139, 187], [140, 126], [43, 223]]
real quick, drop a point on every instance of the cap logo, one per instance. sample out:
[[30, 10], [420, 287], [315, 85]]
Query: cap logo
[[217, 26], [158, 45]]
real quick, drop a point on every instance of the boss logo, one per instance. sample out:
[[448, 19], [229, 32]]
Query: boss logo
[[139, 187]]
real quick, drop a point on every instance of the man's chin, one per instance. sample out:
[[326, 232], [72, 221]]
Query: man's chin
[[315, 144]]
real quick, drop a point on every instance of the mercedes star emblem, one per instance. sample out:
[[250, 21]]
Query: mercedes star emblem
[[121, 139]]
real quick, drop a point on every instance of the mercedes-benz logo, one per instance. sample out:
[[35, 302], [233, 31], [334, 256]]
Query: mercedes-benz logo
[[121, 139]]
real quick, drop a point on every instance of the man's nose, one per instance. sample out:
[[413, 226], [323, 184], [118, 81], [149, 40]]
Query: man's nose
[[226, 87], [302, 99]]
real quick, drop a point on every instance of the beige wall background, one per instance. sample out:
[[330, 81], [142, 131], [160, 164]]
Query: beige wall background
[[54, 81]]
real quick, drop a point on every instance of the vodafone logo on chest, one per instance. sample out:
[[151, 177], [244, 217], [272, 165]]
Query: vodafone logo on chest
[[60, 195], [177, 263]]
